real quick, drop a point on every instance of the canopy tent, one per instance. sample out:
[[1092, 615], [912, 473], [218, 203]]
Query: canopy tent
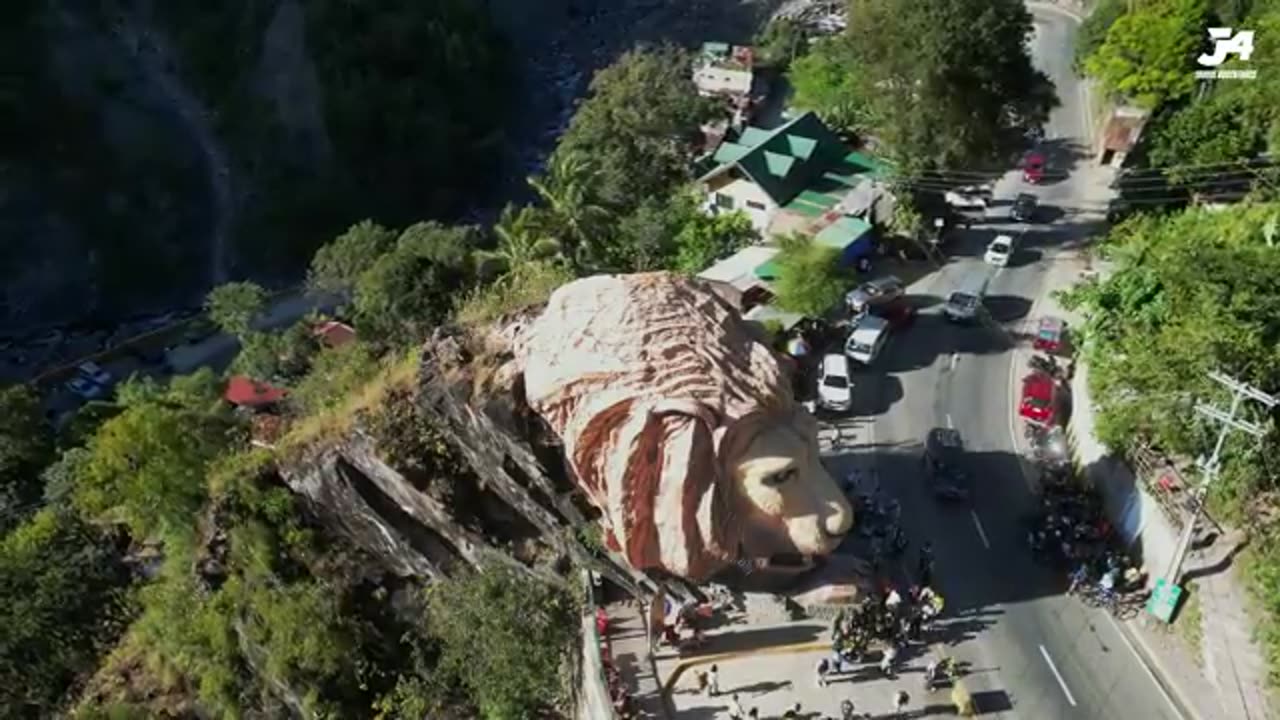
[[738, 269], [768, 313]]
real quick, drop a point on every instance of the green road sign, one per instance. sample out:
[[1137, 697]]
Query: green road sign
[[1164, 599]]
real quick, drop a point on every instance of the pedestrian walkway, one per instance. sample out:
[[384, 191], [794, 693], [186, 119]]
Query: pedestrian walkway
[[629, 647], [1232, 659], [1232, 685]]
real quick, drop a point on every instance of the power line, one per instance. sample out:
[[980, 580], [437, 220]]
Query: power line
[[1229, 420], [1241, 165]]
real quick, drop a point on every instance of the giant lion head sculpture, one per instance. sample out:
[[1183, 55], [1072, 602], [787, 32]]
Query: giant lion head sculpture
[[680, 425]]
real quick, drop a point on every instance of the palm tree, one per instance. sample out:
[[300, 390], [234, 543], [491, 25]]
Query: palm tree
[[566, 188], [523, 237]]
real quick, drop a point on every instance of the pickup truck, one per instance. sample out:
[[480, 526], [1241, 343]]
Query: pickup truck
[[969, 197]]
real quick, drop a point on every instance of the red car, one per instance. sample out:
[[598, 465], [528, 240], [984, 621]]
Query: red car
[[1039, 398], [900, 313], [1033, 168]]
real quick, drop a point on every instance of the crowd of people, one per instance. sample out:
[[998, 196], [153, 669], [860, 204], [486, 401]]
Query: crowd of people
[[889, 623]]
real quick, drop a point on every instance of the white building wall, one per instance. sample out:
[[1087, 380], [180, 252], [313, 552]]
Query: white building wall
[[716, 80], [744, 191]]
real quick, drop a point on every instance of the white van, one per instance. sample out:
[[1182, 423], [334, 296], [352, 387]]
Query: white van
[[867, 339], [964, 304], [835, 388]]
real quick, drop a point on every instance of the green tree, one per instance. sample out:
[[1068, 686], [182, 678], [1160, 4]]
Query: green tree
[[823, 81], [411, 288], [1148, 54], [707, 238], [930, 94], [1093, 31], [298, 346], [259, 356], [337, 265], [26, 446], [524, 236], [146, 466], [233, 306], [1203, 275], [1210, 132], [646, 236], [573, 214], [810, 281], [61, 607], [637, 124], [781, 42], [528, 628]]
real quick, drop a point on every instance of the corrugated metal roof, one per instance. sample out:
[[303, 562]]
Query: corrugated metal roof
[[841, 233]]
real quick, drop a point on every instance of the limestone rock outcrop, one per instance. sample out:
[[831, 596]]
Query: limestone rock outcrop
[[680, 425]]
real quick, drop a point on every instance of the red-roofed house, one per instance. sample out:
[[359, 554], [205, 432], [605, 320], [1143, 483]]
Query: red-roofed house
[[334, 334], [244, 391]]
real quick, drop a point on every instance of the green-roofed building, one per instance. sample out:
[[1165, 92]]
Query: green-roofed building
[[801, 167]]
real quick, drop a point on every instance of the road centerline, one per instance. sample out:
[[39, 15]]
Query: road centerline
[[1061, 683], [982, 534]]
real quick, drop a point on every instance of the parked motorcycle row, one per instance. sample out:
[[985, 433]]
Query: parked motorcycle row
[[1069, 530]]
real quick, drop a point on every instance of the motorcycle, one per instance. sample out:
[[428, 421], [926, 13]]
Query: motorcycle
[[1046, 365]]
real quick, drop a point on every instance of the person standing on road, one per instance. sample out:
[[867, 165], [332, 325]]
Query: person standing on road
[[822, 670], [735, 708], [900, 700], [924, 564], [930, 674], [713, 681], [893, 600], [887, 659]]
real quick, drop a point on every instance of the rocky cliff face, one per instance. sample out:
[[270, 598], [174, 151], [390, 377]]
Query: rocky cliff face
[[500, 496]]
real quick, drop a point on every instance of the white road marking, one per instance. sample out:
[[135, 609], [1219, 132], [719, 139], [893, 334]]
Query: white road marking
[[1143, 665], [1013, 399], [981, 533], [1061, 683], [950, 425]]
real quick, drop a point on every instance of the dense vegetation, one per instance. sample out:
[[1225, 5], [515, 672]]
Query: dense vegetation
[[939, 83], [1196, 139], [1193, 293], [153, 562], [1196, 291]]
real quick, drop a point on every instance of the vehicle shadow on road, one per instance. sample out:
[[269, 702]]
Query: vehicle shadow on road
[[937, 337], [1025, 256], [977, 571], [875, 392]]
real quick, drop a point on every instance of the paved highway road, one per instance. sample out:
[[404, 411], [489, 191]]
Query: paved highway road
[[1034, 652]]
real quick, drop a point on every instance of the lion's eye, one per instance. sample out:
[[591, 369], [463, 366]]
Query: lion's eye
[[779, 478]]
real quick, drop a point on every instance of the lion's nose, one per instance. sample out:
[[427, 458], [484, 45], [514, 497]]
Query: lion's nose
[[838, 518]]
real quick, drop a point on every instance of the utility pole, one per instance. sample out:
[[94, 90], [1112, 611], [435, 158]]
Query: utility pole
[[1230, 421]]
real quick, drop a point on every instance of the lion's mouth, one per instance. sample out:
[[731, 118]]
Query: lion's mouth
[[789, 562]]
